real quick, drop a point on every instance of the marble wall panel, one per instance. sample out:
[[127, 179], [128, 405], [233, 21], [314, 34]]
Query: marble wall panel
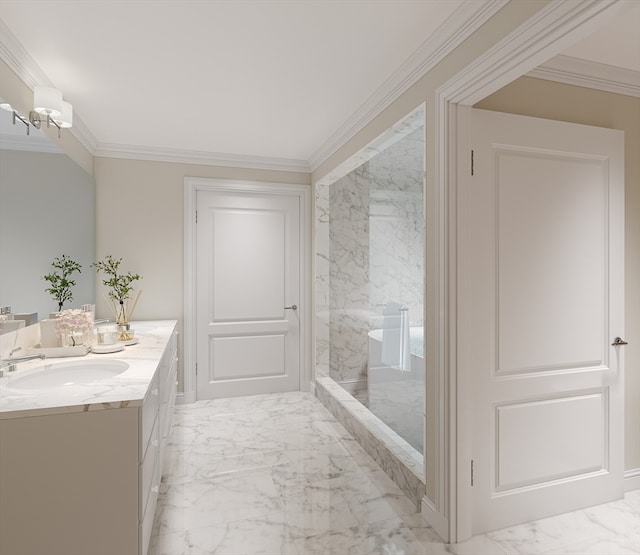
[[323, 282], [369, 251], [396, 234], [349, 275]]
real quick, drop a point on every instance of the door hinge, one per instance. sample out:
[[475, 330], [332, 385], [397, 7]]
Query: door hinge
[[471, 472], [196, 368], [472, 164], [196, 216]]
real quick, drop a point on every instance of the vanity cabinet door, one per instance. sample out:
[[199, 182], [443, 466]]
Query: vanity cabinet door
[[148, 469], [168, 391], [149, 414], [156, 417], [146, 525]]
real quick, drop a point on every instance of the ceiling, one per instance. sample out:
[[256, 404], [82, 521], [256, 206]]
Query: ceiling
[[251, 79]]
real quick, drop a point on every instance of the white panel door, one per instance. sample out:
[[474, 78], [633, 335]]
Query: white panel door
[[540, 278], [248, 293]]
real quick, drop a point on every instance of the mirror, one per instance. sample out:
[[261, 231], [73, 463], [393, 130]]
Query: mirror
[[47, 209]]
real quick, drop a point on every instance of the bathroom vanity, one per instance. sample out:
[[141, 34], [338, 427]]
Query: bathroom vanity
[[81, 464]]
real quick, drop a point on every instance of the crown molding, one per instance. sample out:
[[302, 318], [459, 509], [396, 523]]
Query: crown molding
[[18, 59], [25, 67], [456, 29], [553, 28], [176, 156], [593, 75], [463, 22]]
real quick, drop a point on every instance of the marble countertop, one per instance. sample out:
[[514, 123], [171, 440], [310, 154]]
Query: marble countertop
[[126, 389]]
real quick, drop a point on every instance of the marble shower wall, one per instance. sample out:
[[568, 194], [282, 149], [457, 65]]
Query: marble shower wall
[[322, 280], [369, 251], [349, 276], [396, 228]]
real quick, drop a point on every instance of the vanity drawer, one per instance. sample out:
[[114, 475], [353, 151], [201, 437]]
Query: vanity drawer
[[166, 414], [146, 522], [149, 413], [148, 468]]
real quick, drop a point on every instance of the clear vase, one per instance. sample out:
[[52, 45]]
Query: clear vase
[[72, 339]]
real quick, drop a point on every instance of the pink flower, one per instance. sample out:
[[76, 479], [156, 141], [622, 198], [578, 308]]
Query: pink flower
[[73, 320]]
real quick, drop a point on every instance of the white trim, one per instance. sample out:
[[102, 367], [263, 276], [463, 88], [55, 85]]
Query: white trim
[[434, 518], [469, 16], [455, 30], [552, 29], [176, 156], [632, 479], [191, 187], [593, 75], [545, 34]]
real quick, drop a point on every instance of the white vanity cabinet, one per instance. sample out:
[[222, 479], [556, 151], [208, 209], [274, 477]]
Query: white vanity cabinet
[[84, 480], [155, 422]]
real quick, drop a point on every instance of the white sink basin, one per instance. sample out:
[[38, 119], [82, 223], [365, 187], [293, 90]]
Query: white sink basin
[[67, 374]]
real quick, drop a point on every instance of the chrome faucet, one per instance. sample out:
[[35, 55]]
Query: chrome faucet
[[11, 362]]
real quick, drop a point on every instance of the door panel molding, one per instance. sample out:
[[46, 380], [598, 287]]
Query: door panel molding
[[550, 459], [191, 187], [541, 243], [517, 209], [547, 33]]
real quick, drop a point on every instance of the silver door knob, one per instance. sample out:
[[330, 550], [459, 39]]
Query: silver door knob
[[292, 307], [619, 341]]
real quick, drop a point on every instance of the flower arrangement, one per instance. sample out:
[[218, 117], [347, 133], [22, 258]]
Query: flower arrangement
[[120, 288], [61, 284], [73, 322]]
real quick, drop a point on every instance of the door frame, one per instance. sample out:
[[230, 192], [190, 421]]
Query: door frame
[[191, 187], [547, 33]]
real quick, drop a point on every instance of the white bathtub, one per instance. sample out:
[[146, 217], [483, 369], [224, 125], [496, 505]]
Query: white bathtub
[[397, 397]]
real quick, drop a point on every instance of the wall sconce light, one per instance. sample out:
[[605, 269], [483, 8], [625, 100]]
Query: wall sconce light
[[48, 107]]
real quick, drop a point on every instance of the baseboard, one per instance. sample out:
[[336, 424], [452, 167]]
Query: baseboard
[[434, 518], [183, 399], [632, 479]]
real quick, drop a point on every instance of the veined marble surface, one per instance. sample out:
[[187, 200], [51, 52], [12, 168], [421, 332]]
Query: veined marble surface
[[369, 249], [278, 475], [126, 389], [402, 463]]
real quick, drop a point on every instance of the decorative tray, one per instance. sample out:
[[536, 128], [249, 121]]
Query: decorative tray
[[53, 352]]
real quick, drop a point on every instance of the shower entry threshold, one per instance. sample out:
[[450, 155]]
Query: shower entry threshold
[[402, 463]]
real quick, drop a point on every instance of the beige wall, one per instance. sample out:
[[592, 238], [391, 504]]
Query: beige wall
[[545, 99], [139, 217]]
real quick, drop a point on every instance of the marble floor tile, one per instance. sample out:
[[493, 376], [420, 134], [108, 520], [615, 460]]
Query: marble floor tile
[[263, 535], [551, 535], [278, 475], [387, 537], [216, 501]]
